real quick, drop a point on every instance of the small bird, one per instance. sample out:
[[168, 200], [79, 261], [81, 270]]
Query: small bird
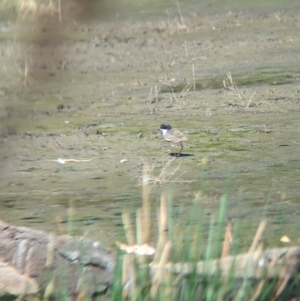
[[173, 136]]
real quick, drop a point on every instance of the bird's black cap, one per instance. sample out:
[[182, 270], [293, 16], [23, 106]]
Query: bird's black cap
[[165, 127]]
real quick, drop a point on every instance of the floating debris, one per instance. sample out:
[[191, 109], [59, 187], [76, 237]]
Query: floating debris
[[144, 249], [64, 161], [285, 238]]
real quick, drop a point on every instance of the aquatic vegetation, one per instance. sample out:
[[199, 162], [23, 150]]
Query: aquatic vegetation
[[188, 265]]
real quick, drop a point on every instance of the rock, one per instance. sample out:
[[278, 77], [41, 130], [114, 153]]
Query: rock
[[14, 283], [68, 264]]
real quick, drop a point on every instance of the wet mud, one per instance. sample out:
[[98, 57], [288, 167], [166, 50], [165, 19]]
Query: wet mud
[[228, 80]]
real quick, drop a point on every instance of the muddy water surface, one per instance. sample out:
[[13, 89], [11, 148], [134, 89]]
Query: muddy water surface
[[99, 91]]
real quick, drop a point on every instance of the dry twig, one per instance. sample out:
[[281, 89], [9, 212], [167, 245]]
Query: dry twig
[[166, 175], [245, 100]]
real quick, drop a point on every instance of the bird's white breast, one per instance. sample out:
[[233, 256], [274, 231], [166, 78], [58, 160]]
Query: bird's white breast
[[163, 131]]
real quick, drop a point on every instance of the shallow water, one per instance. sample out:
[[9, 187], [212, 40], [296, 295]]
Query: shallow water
[[105, 74]]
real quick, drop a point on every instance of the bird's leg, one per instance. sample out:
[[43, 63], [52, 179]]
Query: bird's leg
[[181, 147]]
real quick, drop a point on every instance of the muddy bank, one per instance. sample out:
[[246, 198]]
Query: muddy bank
[[100, 92]]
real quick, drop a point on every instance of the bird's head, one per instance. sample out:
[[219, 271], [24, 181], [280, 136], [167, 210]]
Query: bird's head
[[165, 127]]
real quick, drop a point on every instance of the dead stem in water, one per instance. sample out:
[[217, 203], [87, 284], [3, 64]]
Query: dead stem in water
[[165, 175], [175, 25], [246, 100], [183, 92]]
